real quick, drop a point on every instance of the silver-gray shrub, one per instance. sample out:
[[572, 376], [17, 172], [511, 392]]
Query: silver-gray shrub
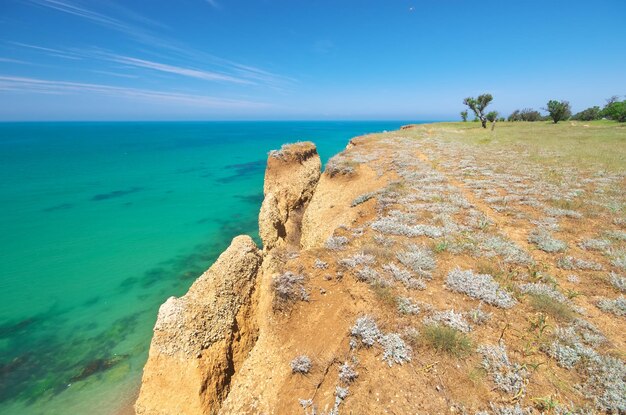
[[404, 276], [319, 264], [363, 198], [619, 259], [383, 240], [539, 288], [616, 234], [407, 306], [448, 318], [301, 364], [618, 281], [508, 377], [336, 243], [290, 287], [506, 410], [339, 165], [366, 330], [357, 259], [508, 250], [563, 212], [571, 263], [606, 384], [479, 286], [367, 274], [546, 242], [347, 373], [420, 259], [569, 348], [573, 279], [595, 244], [617, 306], [395, 350], [282, 152], [478, 316], [391, 226]]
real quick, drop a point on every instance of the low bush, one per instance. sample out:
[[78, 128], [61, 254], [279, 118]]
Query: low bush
[[617, 306], [395, 350], [571, 263], [419, 259], [366, 330], [289, 287], [347, 374], [301, 364], [508, 377], [479, 286], [336, 243], [545, 241], [449, 318]]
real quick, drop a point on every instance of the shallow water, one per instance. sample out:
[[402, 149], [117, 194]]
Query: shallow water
[[99, 224]]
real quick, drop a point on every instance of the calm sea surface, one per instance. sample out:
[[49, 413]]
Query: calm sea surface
[[99, 224]]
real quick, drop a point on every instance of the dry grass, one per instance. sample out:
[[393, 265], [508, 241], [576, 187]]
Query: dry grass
[[600, 145]]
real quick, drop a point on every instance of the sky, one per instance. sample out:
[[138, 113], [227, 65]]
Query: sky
[[303, 59]]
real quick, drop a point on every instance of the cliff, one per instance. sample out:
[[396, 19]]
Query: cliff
[[415, 275]]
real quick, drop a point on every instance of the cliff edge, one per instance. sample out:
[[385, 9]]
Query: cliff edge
[[416, 274]]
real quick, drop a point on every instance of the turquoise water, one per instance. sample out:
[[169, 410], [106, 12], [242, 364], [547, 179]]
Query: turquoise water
[[99, 224]]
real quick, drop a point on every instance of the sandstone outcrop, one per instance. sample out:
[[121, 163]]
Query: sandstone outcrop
[[290, 179], [201, 339]]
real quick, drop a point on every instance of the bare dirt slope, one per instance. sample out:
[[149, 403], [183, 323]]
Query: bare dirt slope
[[426, 273]]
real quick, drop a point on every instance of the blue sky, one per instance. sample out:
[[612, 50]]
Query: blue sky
[[297, 59]]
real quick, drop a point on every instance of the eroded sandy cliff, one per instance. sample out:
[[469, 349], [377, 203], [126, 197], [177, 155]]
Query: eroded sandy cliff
[[415, 275]]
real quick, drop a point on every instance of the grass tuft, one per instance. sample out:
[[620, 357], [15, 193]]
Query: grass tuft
[[546, 304], [446, 339]]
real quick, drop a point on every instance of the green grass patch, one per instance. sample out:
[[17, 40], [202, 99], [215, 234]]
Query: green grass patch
[[551, 307], [447, 340]]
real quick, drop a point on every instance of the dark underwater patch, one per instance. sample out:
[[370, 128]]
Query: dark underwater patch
[[11, 329], [255, 199], [96, 366], [242, 170], [116, 193]]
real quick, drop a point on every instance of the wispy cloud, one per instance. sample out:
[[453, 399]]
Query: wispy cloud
[[49, 51], [197, 64], [193, 73], [10, 60], [44, 86]]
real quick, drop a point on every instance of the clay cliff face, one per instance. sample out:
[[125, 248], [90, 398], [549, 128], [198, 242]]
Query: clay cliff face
[[201, 338], [290, 179]]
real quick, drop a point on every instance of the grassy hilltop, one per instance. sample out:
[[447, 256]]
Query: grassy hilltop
[[589, 144]]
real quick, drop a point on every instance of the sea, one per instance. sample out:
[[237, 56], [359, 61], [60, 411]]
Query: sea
[[100, 223]]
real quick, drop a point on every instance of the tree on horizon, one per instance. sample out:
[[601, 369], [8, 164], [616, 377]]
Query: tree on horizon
[[478, 105]]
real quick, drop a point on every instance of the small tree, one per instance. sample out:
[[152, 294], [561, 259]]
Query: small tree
[[558, 110], [615, 110], [464, 116], [515, 116], [528, 114], [492, 116], [478, 105]]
